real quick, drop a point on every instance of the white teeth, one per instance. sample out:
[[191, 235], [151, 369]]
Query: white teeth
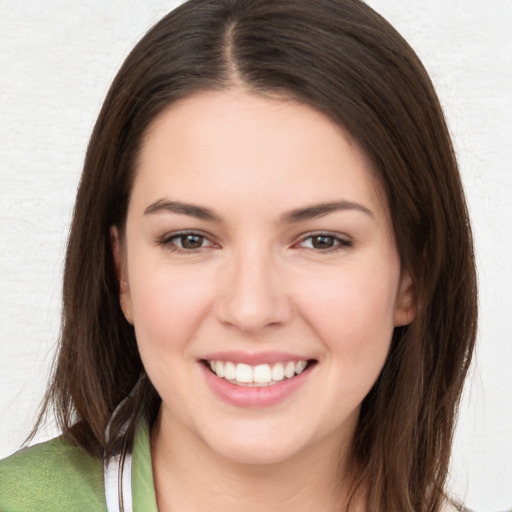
[[230, 371], [299, 367], [289, 370], [261, 374], [219, 368], [243, 373], [278, 372]]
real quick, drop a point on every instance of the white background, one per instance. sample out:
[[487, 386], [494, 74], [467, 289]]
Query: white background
[[57, 59]]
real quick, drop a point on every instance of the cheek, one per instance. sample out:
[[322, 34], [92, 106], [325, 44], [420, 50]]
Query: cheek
[[354, 321], [167, 308], [354, 310]]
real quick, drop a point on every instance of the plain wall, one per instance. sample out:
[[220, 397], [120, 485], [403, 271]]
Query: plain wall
[[57, 59]]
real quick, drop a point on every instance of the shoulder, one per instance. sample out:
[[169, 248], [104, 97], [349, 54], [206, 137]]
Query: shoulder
[[53, 476]]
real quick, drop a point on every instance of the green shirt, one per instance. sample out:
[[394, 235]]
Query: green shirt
[[58, 477]]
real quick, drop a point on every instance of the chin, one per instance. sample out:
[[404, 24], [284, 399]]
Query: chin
[[257, 448]]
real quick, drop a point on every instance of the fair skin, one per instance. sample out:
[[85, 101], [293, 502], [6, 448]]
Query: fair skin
[[257, 236]]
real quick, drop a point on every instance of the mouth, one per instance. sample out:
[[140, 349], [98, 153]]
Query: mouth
[[261, 375]]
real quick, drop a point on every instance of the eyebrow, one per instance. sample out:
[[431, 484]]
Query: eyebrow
[[293, 216], [319, 210], [199, 212]]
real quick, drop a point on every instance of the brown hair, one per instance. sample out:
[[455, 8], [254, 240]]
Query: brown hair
[[345, 60]]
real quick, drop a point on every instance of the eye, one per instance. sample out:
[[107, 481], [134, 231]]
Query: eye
[[190, 241], [186, 242], [324, 242]]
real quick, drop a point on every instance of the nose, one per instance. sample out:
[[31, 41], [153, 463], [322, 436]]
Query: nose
[[252, 295]]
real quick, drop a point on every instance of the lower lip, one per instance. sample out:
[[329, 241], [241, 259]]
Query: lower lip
[[245, 396]]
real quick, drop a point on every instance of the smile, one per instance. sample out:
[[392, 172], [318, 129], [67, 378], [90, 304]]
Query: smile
[[260, 375], [255, 380]]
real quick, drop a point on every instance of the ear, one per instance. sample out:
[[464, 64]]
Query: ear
[[125, 299], [406, 304]]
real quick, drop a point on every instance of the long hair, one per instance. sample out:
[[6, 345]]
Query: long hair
[[343, 59]]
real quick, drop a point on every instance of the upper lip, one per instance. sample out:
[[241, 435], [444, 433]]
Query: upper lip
[[254, 358]]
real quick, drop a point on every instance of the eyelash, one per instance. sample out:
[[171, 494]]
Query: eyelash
[[339, 243], [168, 242]]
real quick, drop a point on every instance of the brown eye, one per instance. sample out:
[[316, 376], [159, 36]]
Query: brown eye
[[190, 241], [186, 242], [323, 242]]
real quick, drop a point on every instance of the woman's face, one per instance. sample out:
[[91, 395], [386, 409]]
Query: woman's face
[[258, 243]]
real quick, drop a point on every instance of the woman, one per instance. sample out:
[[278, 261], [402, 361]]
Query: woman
[[269, 291]]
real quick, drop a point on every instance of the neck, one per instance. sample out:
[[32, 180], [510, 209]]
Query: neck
[[189, 476]]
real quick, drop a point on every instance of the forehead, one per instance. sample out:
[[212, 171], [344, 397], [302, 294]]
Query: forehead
[[214, 144]]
